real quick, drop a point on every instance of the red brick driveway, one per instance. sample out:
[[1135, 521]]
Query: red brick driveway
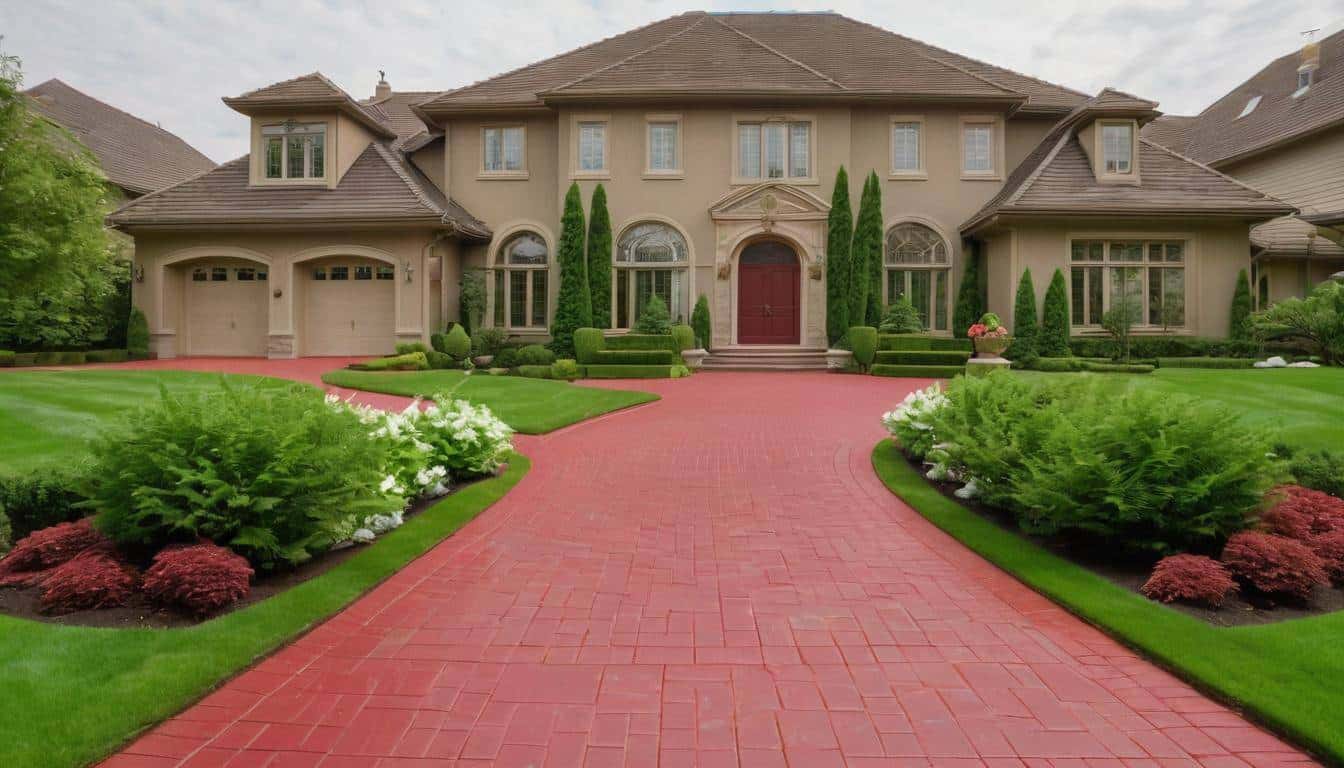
[[715, 579]]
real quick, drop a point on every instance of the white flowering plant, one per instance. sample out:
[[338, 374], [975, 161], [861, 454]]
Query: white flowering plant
[[911, 422], [467, 439]]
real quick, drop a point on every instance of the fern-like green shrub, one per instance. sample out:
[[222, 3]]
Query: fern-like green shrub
[[535, 354], [901, 317]]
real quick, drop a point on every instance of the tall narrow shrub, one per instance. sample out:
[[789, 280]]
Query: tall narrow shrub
[[866, 253], [970, 304], [1239, 328], [874, 315], [839, 234], [700, 321], [1054, 339], [1025, 328], [599, 258], [137, 334], [574, 307]]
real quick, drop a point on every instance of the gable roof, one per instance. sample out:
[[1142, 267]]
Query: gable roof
[[310, 91], [135, 155], [1219, 135], [814, 55], [394, 111]]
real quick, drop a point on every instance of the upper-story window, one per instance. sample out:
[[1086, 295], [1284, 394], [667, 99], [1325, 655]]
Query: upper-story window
[[774, 150], [1303, 82], [664, 143], [1117, 147], [977, 147], [295, 150], [592, 146], [905, 146], [502, 149]]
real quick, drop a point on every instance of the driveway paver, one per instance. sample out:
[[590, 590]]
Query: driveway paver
[[717, 578]]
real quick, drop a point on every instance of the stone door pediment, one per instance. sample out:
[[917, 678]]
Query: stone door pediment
[[769, 201]]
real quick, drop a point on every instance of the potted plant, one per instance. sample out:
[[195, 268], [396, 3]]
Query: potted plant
[[990, 336]]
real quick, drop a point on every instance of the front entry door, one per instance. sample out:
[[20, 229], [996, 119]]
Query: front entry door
[[767, 295]]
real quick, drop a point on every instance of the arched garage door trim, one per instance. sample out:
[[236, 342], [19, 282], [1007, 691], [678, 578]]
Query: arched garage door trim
[[192, 254], [362, 251]]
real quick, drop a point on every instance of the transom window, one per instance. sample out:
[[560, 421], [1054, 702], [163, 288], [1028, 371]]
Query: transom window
[[1117, 146], [364, 272], [295, 150], [249, 274], [521, 274], [502, 149], [592, 146], [917, 266], [219, 274], [663, 146], [651, 258], [977, 147], [199, 275], [905, 147], [774, 150], [340, 273], [1149, 274], [383, 271]]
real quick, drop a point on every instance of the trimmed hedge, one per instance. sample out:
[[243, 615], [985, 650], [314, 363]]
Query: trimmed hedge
[[411, 347], [1117, 367], [1165, 346], [107, 356], [566, 370], [535, 371], [414, 361], [632, 357], [922, 357], [1056, 364], [535, 354], [917, 371], [587, 342], [6, 358], [863, 342], [1205, 362], [440, 360], [637, 371], [643, 341], [916, 342], [684, 337], [59, 358]]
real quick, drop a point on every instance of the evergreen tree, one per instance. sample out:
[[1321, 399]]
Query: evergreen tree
[[970, 304], [875, 311], [599, 258], [1024, 328], [573, 308], [839, 233], [865, 249], [1240, 327], [1054, 339], [700, 321]]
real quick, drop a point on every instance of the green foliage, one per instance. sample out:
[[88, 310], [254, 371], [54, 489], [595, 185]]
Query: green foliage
[[863, 341], [471, 298], [535, 354], [1205, 362], [991, 321], [41, 498], [535, 371], [634, 357], [1095, 367], [587, 343], [1239, 320], [1150, 347], [874, 314], [901, 317], [574, 306], [970, 300], [440, 360], [488, 341], [599, 258], [6, 358], [642, 341], [267, 473], [1119, 322], [566, 370], [655, 319], [137, 334], [6, 535], [864, 251], [437, 341], [922, 341], [1317, 319], [413, 361], [1056, 364], [107, 356], [922, 356], [636, 371], [839, 237], [409, 347], [918, 371], [457, 343], [1321, 470], [506, 358], [1025, 329], [700, 321], [1055, 323]]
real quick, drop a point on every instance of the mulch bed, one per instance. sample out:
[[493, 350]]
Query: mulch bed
[[1245, 608]]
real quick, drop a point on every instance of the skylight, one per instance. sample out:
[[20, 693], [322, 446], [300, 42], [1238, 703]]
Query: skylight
[[1250, 107]]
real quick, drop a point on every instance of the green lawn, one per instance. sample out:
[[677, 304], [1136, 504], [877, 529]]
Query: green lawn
[[1286, 675], [531, 406]]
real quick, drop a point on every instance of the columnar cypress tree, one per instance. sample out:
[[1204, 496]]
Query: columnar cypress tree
[[1240, 328], [839, 234], [574, 307], [970, 304], [700, 321], [1025, 327], [1054, 339], [874, 315], [866, 248], [599, 258]]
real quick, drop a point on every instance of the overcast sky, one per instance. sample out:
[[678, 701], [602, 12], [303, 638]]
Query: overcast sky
[[170, 62]]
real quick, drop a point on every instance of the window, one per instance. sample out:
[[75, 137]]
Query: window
[[1303, 82], [521, 275], [199, 275], [218, 274], [340, 273], [651, 259], [917, 265], [383, 271], [1250, 107], [1117, 147], [319, 273], [1148, 274], [977, 148], [905, 156], [774, 150], [364, 272], [295, 150], [663, 146], [502, 149], [592, 147], [261, 275], [245, 274]]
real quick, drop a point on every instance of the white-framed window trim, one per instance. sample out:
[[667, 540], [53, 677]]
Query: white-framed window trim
[[784, 149], [905, 142], [503, 151], [973, 152], [295, 152], [657, 147], [590, 142], [1117, 147], [917, 264], [520, 292], [1152, 269]]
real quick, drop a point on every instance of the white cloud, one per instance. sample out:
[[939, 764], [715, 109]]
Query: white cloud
[[170, 62]]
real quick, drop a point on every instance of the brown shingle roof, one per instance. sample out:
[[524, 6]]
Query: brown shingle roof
[[135, 155], [379, 187], [312, 90], [806, 53], [394, 111], [1292, 236]]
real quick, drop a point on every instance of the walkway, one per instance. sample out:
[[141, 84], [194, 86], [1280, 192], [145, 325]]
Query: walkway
[[715, 579]]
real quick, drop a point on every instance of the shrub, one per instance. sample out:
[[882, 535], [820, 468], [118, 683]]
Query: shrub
[[137, 335], [1317, 319], [566, 370], [457, 343], [636, 371], [199, 578], [574, 304], [1056, 364], [95, 578], [634, 357], [413, 361], [411, 347], [471, 299], [901, 317], [1302, 513], [467, 439], [535, 371], [587, 343], [1165, 346], [599, 258], [970, 300], [1322, 471], [1329, 547], [700, 321], [1025, 327], [641, 341], [6, 358], [437, 341], [107, 356], [654, 320], [1095, 367], [1274, 564], [1239, 319], [268, 473], [1228, 363], [865, 245], [52, 546], [911, 422], [6, 534], [535, 354], [1190, 579], [1119, 322], [684, 336], [863, 341], [488, 341], [839, 235], [42, 498], [440, 360], [507, 358], [1054, 335]]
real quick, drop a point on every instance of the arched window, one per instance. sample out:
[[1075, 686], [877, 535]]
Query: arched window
[[651, 259], [521, 265], [918, 265]]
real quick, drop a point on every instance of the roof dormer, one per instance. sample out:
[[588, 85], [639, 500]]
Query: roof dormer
[[1108, 132]]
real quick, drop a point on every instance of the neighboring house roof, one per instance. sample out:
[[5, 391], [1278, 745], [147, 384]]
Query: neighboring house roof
[[381, 186], [394, 111], [814, 55], [134, 154], [314, 91], [1220, 134], [1294, 236]]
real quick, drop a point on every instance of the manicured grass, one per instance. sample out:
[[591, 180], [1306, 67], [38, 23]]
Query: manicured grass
[[1285, 675], [531, 406], [74, 694], [48, 416]]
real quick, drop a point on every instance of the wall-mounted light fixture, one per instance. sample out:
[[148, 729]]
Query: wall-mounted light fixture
[[408, 269], [277, 293]]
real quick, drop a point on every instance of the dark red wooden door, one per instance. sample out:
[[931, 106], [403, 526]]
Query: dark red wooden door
[[767, 295]]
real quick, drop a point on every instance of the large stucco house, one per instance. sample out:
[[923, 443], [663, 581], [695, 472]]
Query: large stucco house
[[717, 137]]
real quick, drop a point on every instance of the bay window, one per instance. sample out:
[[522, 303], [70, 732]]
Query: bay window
[[1148, 274], [774, 150], [651, 259], [521, 273], [294, 150], [917, 265]]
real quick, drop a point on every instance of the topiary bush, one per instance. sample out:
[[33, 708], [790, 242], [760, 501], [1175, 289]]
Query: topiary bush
[[1239, 317], [1274, 564], [901, 317], [1025, 327], [1189, 579], [865, 245], [95, 578], [137, 335], [457, 343], [412, 361], [587, 343], [507, 358], [52, 546], [565, 370], [535, 371], [863, 342], [42, 497], [198, 578], [700, 321], [437, 341], [440, 360], [488, 341], [411, 347], [839, 236], [107, 356], [654, 319], [684, 336], [1055, 321], [970, 300], [535, 354]]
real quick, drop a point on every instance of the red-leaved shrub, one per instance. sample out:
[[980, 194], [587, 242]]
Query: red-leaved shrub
[[52, 546], [95, 578], [1189, 578], [1329, 547], [1301, 513], [1274, 564], [202, 578]]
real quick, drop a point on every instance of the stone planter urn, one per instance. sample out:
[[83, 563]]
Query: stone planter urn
[[483, 361], [991, 346], [839, 359], [694, 357]]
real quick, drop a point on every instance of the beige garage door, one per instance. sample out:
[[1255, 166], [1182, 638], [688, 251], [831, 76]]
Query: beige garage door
[[225, 309], [349, 307]]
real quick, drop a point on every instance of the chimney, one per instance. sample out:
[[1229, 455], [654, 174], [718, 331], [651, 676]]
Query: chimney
[[383, 90]]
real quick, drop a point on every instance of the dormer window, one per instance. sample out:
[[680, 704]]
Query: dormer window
[[1303, 82], [1250, 107], [1117, 147], [295, 150]]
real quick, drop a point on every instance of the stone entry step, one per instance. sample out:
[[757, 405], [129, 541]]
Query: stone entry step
[[766, 358]]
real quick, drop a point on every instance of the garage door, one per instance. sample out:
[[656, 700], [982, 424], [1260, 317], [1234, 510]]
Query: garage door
[[225, 309], [349, 308]]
